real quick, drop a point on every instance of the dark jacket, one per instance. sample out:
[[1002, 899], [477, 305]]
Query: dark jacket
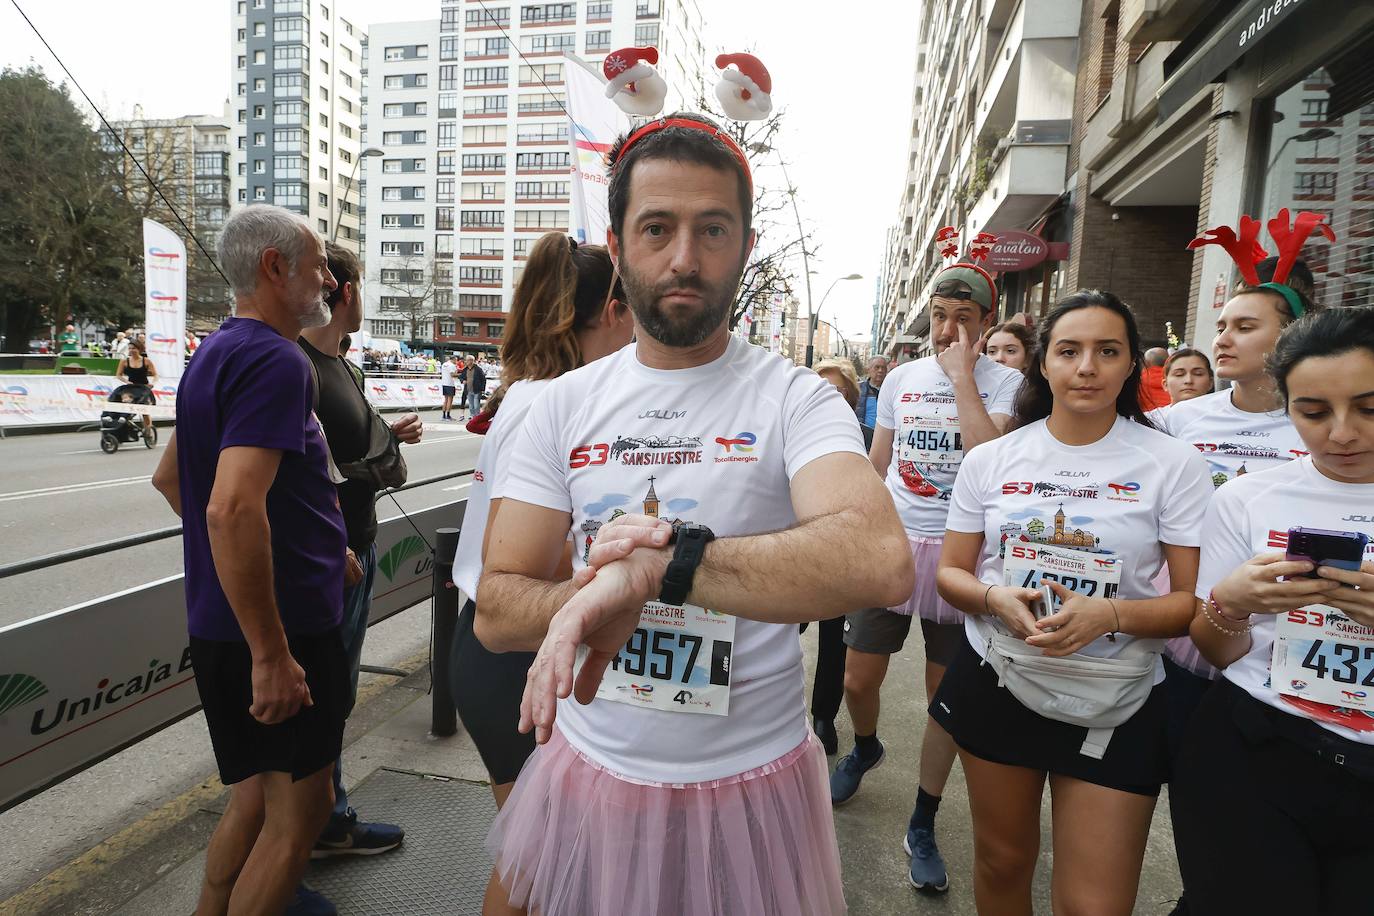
[[479, 380]]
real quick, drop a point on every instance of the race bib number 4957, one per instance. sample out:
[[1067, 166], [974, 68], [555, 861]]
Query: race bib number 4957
[[1323, 656], [677, 660]]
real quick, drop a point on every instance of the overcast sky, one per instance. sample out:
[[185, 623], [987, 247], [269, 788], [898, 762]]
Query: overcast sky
[[845, 132]]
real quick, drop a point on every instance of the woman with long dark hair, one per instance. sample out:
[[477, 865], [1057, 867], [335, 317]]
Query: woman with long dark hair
[[1277, 763], [1055, 533], [568, 310]]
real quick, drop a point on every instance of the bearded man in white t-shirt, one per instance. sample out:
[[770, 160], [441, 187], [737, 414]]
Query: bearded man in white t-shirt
[[930, 412], [716, 496]]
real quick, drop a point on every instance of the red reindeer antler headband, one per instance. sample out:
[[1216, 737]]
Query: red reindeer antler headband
[[1247, 252]]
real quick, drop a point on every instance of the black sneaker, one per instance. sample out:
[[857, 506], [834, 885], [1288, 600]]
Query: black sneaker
[[356, 838]]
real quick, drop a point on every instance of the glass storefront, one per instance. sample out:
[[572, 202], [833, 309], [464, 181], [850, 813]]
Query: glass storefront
[[1320, 157]]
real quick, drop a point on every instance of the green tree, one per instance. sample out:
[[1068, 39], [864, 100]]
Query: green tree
[[69, 244]]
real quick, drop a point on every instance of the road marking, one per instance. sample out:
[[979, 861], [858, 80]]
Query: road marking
[[460, 486], [73, 488], [88, 451]]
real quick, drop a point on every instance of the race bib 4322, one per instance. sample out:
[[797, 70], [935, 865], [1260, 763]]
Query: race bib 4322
[[677, 660], [1325, 657]]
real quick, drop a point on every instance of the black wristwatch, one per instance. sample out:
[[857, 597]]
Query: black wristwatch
[[690, 546]]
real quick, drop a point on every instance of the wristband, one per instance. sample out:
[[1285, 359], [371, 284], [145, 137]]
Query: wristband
[[1211, 610]]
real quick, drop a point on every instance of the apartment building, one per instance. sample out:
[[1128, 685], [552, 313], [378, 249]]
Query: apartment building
[[190, 159], [297, 81], [991, 110], [492, 154]]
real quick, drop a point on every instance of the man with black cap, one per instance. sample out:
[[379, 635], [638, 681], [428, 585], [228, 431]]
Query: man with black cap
[[930, 411]]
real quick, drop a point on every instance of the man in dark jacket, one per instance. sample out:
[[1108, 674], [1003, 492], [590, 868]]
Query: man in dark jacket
[[474, 386], [867, 408]]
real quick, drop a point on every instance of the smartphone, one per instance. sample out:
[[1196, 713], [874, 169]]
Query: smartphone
[[1341, 549], [1046, 604]]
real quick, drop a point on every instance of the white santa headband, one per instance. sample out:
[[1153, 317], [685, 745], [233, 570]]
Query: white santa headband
[[632, 82]]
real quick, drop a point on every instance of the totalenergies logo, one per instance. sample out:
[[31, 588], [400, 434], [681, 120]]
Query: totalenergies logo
[[380, 390], [161, 339], [165, 255], [407, 389], [165, 392], [158, 295], [1125, 492], [99, 391], [16, 389], [742, 442]]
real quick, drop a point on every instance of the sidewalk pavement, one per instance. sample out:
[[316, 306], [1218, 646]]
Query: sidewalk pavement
[[387, 739]]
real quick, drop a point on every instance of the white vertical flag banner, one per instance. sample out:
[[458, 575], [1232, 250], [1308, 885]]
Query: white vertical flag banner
[[164, 277], [595, 122]]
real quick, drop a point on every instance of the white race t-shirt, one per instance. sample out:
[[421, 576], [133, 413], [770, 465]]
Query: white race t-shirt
[[1234, 442], [916, 402], [493, 461], [1115, 500], [1252, 515], [716, 445], [446, 373]]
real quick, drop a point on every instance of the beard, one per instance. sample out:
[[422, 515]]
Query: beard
[[692, 326], [314, 314]]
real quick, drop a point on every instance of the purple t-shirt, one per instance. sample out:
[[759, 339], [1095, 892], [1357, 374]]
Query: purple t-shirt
[[249, 386]]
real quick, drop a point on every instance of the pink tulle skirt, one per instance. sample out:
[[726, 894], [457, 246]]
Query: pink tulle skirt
[[925, 602], [575, 839]]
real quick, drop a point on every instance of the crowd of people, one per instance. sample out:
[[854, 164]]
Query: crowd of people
[[1117, 587]]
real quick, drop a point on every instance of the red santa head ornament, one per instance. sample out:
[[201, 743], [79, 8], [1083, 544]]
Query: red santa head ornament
[[633, 83], [947, 242], [745, 93]]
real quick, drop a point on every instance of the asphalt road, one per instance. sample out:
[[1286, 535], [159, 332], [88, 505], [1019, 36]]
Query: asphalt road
[[58, 491]]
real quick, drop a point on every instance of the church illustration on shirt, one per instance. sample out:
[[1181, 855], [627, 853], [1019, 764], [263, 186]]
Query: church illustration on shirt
[[651, 506], [1059, 534]]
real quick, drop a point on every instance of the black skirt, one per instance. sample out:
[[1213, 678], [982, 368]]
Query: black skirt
[[986, 721]]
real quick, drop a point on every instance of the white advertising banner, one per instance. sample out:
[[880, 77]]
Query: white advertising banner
[[36, 400], [164, 278], [595, 122], [79, 684]]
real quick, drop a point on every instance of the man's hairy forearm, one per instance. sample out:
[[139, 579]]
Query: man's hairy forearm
[[819, 569], [513, 611], [241, 546]]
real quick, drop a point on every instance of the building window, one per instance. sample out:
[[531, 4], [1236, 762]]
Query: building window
[[443, 220], [260, 193], [482, 247], [470, 329], [391, 221], [543, 161], [1314, 109], [289, 57], [324, 173], [485, 133], [324, 39], [393, 82], [259, 166], [541, 102], [488, 18], [496, 328], [287, 167], [345, 155], [391, 249], [541, 219], [391, 165], [443, 190], [484, 162], [445, 164], [391, 138], [542, 133], [648, 9], [599, 11], [556, 43], [598, 42], [259, 58], [243, 88], [484, 190], [548, 12], [259, 112], [293, 84], [486, 47], [483, 76], [541, 74], [289, 29], [646, 33], [483, 219], [259, 139], [243, 61], [1314, 185]]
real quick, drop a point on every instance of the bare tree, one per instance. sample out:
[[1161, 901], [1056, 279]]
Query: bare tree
[[411, 283]]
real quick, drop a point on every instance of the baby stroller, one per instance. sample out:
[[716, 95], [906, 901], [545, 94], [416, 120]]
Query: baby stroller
[[117, 428]]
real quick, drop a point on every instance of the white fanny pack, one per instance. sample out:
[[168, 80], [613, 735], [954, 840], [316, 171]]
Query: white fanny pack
[[1096, 693]]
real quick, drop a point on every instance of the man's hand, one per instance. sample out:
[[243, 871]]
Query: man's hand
[[279, 689], [601, 616], [959, 358], [353, 570], [621, 537], [408, 429]]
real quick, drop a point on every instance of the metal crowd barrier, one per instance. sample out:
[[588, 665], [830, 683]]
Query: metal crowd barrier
[[80, 684]]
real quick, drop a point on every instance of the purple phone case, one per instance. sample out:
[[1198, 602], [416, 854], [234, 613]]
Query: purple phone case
[[1356, 539]]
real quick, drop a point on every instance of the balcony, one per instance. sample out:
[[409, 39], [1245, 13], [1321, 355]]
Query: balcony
[[1022, 181], [1158, 20]]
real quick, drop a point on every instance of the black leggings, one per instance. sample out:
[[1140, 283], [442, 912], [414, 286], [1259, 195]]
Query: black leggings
[[487, 687], [1263, 826]]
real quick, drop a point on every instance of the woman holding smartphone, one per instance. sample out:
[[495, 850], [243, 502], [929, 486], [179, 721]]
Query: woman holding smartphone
[[1278, 762], [1085, 493]]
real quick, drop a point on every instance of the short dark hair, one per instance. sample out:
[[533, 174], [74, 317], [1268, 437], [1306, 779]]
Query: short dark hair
[[343, 264], [676, 144], [1329, 333], [1036, 399]]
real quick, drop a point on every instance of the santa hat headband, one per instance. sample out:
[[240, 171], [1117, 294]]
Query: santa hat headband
[[1246, 251], [691, 124]]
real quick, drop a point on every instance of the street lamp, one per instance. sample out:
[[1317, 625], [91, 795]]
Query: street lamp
[[1311, 135], [815, 316], [370, 151]]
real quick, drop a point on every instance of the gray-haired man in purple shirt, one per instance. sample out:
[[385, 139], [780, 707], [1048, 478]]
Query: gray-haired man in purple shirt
[[266, 561]]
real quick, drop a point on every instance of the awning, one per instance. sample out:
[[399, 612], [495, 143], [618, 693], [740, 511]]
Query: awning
[[1255, 21]]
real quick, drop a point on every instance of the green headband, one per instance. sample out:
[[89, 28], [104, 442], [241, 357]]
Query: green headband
[[1289, 295]]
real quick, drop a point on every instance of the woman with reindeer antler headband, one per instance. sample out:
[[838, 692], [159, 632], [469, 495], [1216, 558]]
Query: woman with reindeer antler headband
[[1242, 429], [930, 412]]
